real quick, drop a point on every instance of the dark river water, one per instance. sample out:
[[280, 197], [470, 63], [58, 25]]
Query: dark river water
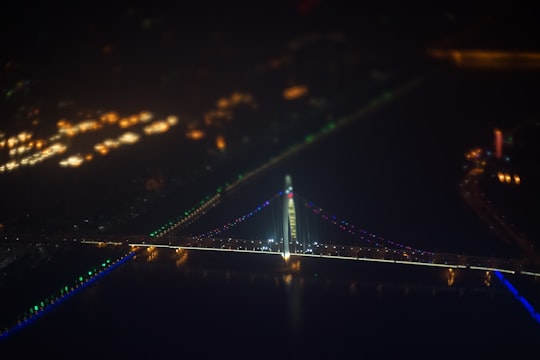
[[214, 304]]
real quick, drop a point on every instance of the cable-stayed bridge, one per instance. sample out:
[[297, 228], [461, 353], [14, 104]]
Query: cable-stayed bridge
[[290, 230], [288, 225]]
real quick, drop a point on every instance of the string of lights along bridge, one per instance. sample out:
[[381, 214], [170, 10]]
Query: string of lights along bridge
[[364, 246]]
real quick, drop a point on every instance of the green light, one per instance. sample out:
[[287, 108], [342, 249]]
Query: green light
[[81, 278], [90, 273], [108, 261], [66, 288], [42, 304], [36, 308], [103, 265], [309, 138]]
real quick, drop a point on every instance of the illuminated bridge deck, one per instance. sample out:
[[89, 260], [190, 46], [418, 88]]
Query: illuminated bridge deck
[[333, 251], [358, 253]]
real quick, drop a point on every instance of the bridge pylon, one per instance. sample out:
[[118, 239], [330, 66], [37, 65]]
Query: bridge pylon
[[289, 218]]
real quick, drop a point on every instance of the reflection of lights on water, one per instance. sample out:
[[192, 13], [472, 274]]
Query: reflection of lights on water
[[152, 253], [451, 276], [487, 280], [181, 257], [295, 266], [353, 287], [287, 279]]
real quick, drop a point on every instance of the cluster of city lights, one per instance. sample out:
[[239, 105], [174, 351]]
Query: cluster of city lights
[[25, 150], [474, 154], [226, 105], [362, 234], [507, 178], [223, 112], [41, 307]]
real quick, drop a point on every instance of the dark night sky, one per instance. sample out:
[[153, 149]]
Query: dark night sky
[[39, 29]]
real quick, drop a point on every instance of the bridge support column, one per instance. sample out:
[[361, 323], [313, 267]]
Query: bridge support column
[[289, 218]]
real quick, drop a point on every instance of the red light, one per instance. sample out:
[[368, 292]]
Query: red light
[[290, 195], [498, 143]]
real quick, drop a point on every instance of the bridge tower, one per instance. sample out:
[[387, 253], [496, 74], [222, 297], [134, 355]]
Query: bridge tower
[[289, 218]]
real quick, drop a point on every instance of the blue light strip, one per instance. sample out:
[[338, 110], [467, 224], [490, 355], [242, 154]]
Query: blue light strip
[[48, 305], [238, 220], [513, 290]]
